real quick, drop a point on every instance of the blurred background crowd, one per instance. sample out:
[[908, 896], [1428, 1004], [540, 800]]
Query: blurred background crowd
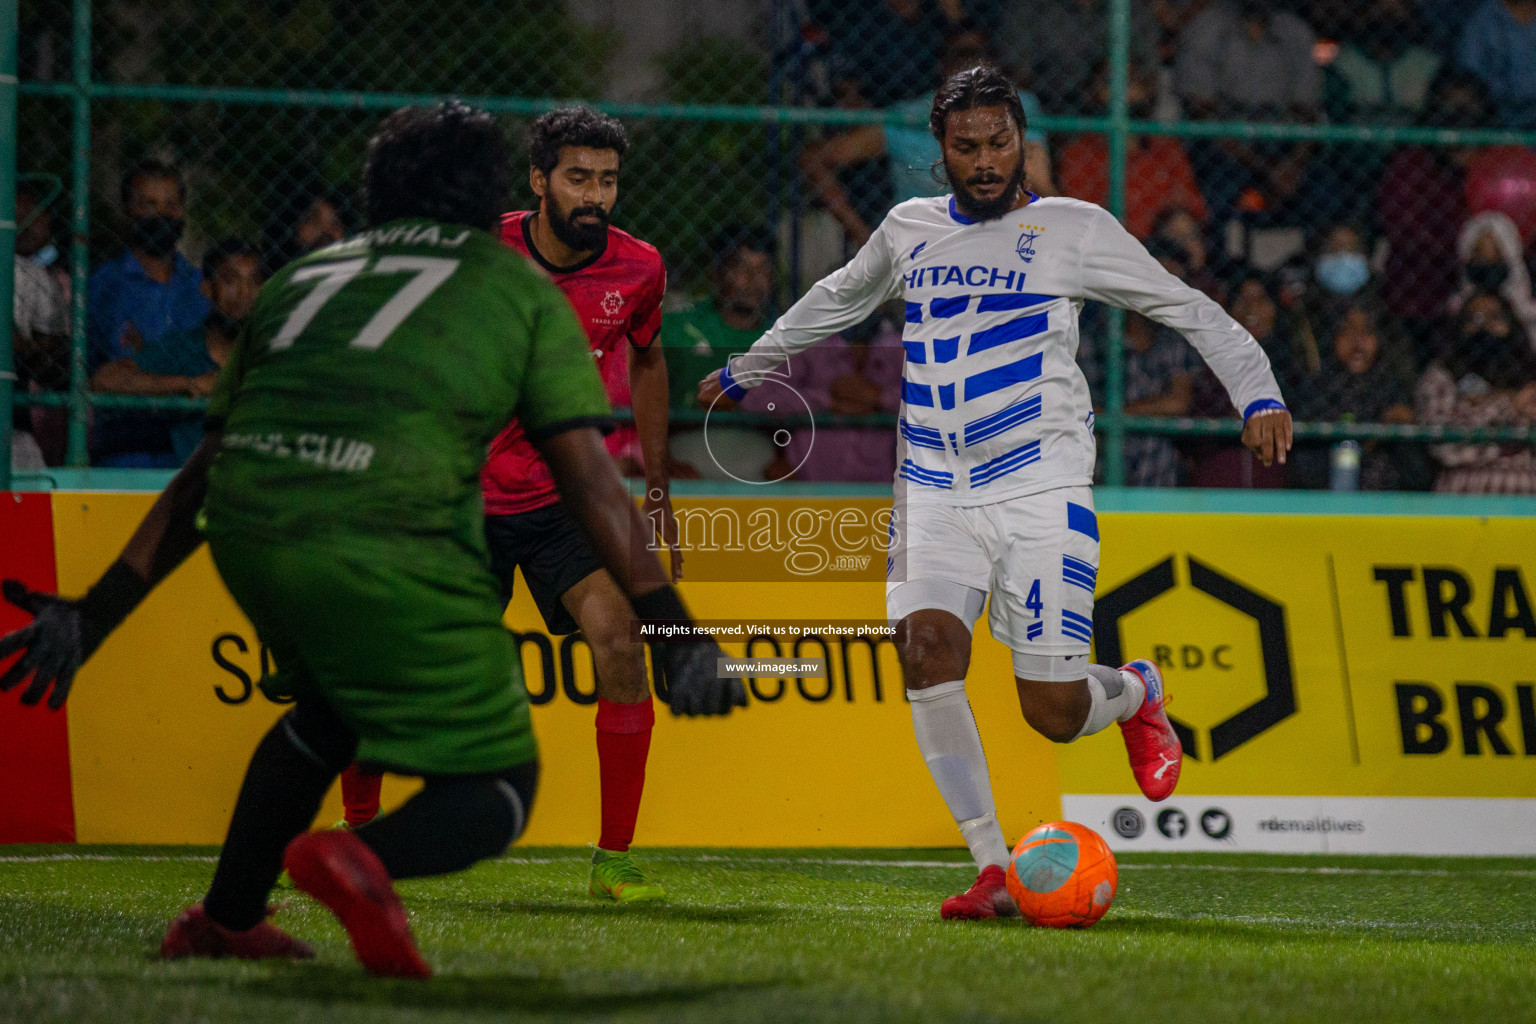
[[1389, 282]]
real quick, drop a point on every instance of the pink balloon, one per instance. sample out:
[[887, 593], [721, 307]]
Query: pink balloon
[[1503, 179]]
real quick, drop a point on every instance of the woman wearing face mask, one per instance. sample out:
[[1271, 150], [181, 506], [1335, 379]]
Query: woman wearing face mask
[[1354, 383], [1493, 261], [1342, 267], [1485, 376], [1342, 278]]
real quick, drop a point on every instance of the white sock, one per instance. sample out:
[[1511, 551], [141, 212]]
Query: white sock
[[1116, 697], [951, 746]]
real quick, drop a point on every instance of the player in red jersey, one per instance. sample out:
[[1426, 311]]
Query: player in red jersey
[[615, 282]]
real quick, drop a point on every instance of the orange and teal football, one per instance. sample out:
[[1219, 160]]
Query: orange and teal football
[[1062, 875]]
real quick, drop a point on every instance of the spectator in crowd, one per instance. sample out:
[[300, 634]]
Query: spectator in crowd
[[1179, 227], [1054, 46], [1421, 206], [307, 218], [1498, 44], [1158, 176], [1492, 261], [1485, 377], [889, 46], [1159, 381], [1341, 276], [1172, 17], [40, 321], [1343, 263], [151, 290], [1382, 72], [910, 151], [1443, 21], [1353, 385], [856, 373], [698, 340], [1221, 463], [1256, 305], [187, 362], [1244, 60]]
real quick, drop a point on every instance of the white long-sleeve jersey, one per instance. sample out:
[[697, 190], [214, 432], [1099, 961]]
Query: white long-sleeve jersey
[[993, 403]]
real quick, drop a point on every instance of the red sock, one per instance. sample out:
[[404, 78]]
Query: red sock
[[360, 794], [623, 741]]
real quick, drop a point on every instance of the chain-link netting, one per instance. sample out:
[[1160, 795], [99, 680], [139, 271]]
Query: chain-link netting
[[1387, 279]]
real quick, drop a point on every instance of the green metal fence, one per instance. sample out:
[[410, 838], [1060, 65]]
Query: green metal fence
[[254, 99]]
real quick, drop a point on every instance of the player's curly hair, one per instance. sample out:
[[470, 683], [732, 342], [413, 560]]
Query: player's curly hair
[[572, 126], [446, 163], [981, 86]]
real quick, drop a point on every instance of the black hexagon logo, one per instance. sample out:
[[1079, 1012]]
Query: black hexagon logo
[[1279, 700]]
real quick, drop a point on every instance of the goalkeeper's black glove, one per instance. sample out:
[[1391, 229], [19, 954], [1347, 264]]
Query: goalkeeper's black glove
[[691, 668], [64, 633], [694, 686]]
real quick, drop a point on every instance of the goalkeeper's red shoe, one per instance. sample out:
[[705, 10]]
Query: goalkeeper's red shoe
[[194, 934], [1150, 741], [339, 870], [987, 898]]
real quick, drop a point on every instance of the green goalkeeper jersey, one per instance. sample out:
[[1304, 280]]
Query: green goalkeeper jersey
[[372, 375]]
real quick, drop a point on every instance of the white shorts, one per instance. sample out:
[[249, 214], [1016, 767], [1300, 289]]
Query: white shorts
[[1037, 556]]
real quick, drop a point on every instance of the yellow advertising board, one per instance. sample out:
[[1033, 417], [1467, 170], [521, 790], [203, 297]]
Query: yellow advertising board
[[1341, 683], [164, 718]]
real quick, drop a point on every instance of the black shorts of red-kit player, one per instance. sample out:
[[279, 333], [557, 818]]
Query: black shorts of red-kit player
[[554, 554]]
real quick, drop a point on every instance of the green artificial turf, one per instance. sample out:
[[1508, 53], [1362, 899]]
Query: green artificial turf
[[778, 936]]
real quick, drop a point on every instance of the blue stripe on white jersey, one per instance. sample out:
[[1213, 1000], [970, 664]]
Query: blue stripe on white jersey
[[1022, 371], [983, 427], [1079, 627], [1013, 330], [923, 437], [944, 308], [1006, 463], [927, 477], [1079, 573]]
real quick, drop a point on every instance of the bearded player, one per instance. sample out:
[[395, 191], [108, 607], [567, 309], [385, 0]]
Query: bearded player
[[996, 448], [615, 282], [337, 487]]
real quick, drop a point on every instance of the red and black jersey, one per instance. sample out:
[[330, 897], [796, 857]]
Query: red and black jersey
[[617, 295]]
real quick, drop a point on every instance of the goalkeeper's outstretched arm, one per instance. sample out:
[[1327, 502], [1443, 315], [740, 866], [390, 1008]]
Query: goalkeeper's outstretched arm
[[64, 633]]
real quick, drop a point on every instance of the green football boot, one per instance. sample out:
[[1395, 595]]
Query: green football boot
[[616, 876]]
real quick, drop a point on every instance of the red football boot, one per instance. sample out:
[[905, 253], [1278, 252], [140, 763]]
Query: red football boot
[[339, 870], [1153, 746], [194, 934], [987, 898]]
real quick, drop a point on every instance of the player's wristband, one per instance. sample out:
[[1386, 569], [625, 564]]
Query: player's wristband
[[660, 605], [1262, 405], [734, 391], [109, 602]]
